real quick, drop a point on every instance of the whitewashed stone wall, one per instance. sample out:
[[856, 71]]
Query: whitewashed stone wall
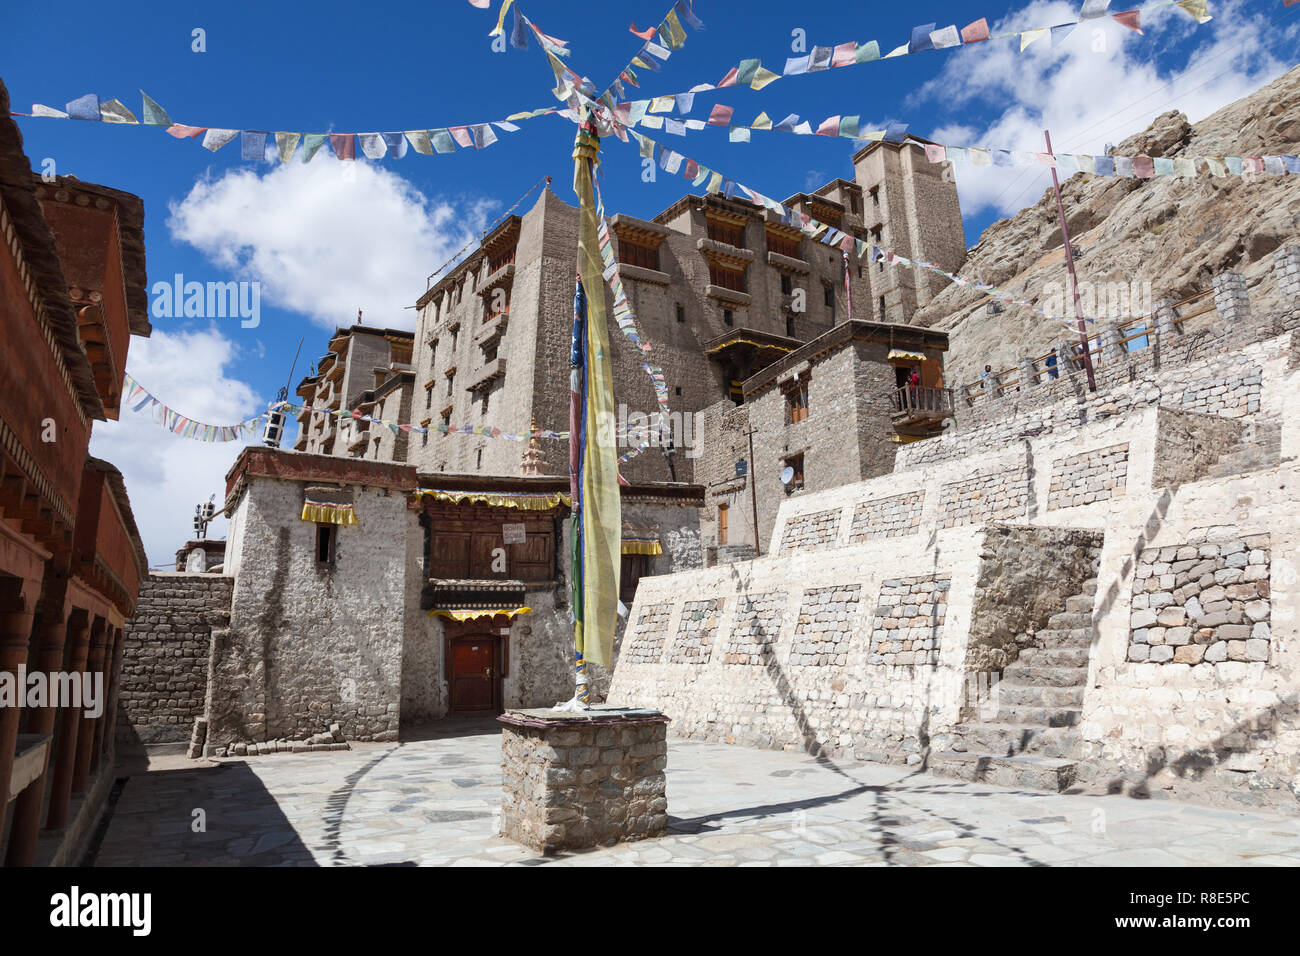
[[1226, 731], [309, 646]]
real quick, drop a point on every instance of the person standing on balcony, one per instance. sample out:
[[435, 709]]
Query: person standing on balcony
[[914, 385]]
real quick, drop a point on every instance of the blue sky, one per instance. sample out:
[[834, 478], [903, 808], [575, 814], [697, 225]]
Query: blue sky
[[323, 248]]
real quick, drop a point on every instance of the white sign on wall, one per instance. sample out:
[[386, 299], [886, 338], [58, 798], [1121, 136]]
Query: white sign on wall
[[513, 533]]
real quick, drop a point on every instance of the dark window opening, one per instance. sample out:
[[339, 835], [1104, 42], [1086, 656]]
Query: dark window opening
[[783, 245], [796, 402], [636, 254], [787, 284], [681, 313], [326, 545], [634, 567], [724, 278], [795, 463], [789, 327], [728, 318], [732, 235]]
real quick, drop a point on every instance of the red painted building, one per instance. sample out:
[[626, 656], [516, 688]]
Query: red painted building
[[72, 293]]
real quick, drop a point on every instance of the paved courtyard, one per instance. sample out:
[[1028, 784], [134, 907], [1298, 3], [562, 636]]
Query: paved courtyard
[[435, 801]]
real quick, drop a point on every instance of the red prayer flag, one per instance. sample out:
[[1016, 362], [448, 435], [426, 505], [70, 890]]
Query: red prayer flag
[[461, 135], [975, 32], [845, 54], [181, 131], [721, 115], [344, 145], [646, 34], [830, 127], [1129, 18], [1143, 167], [729, 79]]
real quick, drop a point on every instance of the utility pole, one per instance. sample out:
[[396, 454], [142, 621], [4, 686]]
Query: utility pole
[[752, 480], [1074, 280]]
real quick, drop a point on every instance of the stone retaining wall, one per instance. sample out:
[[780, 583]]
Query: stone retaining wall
[[165, 658]]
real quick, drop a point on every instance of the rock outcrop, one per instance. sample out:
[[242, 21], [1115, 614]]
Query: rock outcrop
[[1175, 233]]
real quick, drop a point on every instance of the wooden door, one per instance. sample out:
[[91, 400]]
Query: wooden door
[[474, 677]]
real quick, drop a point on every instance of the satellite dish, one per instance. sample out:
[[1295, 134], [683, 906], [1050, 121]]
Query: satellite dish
[[787, 475]]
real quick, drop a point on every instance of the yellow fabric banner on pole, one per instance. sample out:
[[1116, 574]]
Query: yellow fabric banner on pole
[[602, 518]]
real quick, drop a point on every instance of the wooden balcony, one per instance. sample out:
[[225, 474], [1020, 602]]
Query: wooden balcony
[[921, 406]]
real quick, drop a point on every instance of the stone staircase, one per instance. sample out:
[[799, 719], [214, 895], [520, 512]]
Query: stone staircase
[[1260, 447], [1033, 740]]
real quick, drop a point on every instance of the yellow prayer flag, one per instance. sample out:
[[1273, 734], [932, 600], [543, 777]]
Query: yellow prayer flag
[[1030, 36]]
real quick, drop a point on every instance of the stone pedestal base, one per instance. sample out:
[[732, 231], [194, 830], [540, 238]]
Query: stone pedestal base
[[576, 780]]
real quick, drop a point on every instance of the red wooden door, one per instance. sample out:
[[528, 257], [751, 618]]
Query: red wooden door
[[474, 678]]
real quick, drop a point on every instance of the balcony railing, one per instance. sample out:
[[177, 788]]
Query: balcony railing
[[922, 404]]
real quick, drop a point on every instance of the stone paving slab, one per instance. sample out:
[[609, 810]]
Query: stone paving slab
[[436, 801]]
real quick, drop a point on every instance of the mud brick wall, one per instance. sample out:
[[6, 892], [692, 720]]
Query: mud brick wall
[[825, 626], [165, 658], [893, 517], [909, 621], [1092, 476], [811, 532], [1202, 604], [997, 497], [647, 641], [696, 630], [758, 623]]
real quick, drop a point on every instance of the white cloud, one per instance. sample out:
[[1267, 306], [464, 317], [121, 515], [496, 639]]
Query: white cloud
[[326, 238], [167, 475], [1099, 86]]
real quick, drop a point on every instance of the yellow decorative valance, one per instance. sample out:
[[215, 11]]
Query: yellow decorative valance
[[475, 613], [523, 500], [324, 505], [898, 355], [641, 540], [758, 345]]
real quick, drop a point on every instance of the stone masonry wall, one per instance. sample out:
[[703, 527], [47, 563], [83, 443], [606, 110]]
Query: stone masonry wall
[[583, 783], [695, 633], [909, 621], [997, 497], [1091, 476], [821, 637], [809, 532], [1202, 603], [165, 656], [1229, 383], [898, 515]]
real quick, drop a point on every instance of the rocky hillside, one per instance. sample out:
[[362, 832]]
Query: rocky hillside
[[1175, 233]]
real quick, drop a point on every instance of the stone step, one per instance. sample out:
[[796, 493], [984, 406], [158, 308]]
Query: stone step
[[1023, 672], [1043, 715], [1068, 620], [1033, 773], [1069, 637], [1055, 656], [1011, 739], [1015, 694], [1090, 587], [1079, 603]]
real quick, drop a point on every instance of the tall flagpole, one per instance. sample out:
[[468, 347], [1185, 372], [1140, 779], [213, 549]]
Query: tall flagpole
[[1074, 280], [593, 461]]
